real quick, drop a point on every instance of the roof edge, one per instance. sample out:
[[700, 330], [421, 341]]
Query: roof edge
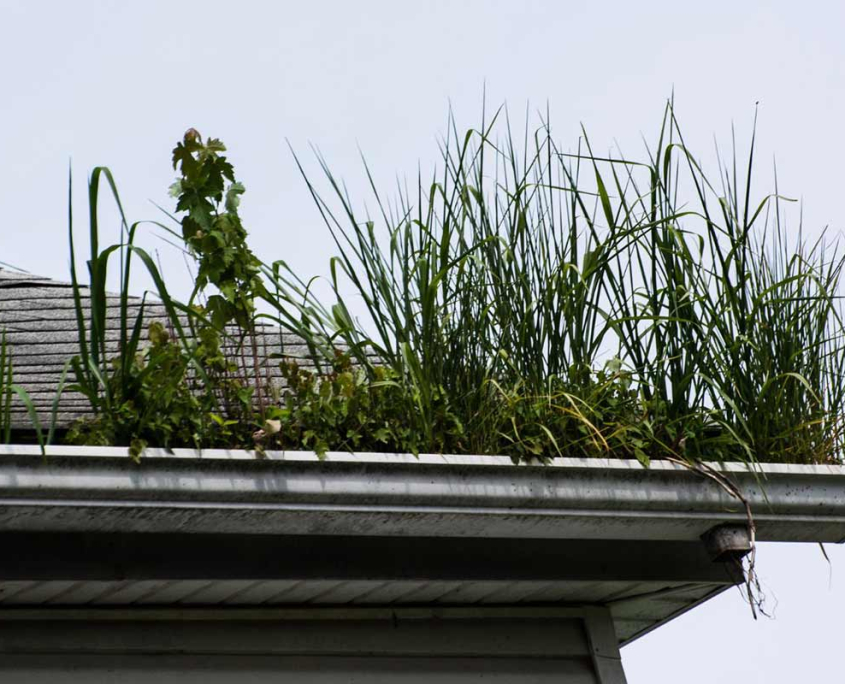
[[764, 469], [399, 494]]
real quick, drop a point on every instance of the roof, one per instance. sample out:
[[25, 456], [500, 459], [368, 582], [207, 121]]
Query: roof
[[88, 528], [39, 318]]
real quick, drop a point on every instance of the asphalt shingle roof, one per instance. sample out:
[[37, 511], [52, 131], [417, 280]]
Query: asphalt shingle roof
[[39, 319]]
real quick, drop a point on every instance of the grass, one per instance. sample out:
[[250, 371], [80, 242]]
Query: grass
[[142, 391], [93, 365], [9, 391], [523, 300], [153, 373], [538, 303]]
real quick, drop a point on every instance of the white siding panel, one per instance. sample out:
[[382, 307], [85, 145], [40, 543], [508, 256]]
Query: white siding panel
[[312, 646], [298, 670]]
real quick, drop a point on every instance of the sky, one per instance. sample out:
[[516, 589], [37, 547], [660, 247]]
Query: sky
[[117, 83]]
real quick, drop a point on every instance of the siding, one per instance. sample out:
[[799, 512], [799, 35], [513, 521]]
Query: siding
[[449, 648]]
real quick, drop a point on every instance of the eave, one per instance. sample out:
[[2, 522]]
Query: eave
[[88, 528]]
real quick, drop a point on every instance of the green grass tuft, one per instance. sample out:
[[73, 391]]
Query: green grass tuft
[[539, 303]]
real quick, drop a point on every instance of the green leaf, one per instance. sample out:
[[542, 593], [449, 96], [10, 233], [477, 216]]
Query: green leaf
[[233, 194]]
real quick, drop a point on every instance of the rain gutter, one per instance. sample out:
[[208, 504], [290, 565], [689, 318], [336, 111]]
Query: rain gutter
[[88, 489]]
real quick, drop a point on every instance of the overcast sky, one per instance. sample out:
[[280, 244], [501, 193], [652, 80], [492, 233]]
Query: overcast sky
[[117, 83]]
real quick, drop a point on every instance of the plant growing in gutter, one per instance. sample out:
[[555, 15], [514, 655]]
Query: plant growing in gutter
[[570, 304], [168, 382], [341, 409], [9, 391], [153, 388], [524, 300], [212, 229], [213, 232]]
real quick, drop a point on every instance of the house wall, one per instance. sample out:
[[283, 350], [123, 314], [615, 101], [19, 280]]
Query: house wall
[[331, 647], [302, 670]]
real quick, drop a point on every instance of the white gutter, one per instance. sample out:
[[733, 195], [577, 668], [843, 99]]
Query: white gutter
[[89, 489]]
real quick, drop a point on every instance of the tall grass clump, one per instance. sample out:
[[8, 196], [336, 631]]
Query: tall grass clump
[[525, 299], [155, 371], [539, 302], [9, 392], [141, 371]]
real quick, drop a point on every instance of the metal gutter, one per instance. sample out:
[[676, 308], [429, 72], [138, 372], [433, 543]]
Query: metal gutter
[[87, 489]]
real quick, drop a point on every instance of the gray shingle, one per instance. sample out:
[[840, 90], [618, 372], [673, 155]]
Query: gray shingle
[[39, 318]]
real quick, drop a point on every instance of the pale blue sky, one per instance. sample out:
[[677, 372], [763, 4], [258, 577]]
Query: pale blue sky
[[117, 83]]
